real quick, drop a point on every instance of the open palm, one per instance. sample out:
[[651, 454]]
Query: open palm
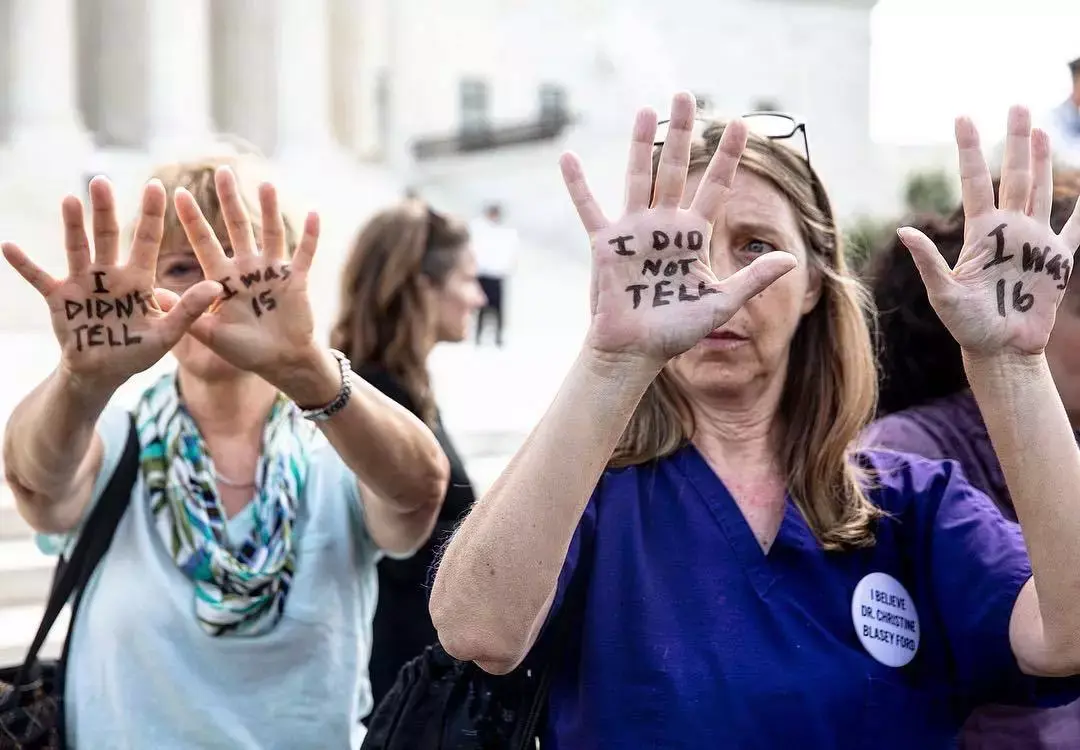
[[653, 290], [262, 322], [107, 317], [1003, 294]]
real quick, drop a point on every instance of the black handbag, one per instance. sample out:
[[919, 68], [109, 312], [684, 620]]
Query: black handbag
[[440, 703], [32, 693]]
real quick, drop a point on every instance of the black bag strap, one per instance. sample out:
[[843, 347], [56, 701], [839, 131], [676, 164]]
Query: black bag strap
[[554, 648], [95, 538]]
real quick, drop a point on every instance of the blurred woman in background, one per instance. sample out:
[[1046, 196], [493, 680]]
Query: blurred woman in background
[[409, 283]]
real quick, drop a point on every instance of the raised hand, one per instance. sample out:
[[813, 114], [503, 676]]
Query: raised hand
[[262, 321], [653, 291], [1003, 294], [107, 317]]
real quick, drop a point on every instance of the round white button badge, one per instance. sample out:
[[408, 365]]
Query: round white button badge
[[885, 619]]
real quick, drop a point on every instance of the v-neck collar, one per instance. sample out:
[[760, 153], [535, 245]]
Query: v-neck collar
[[761, 567]]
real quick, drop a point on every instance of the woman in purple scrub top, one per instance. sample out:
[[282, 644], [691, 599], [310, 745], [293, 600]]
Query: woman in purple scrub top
[[754, 582]]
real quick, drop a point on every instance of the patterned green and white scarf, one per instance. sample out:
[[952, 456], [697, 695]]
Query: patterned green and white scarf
[[237, 591]]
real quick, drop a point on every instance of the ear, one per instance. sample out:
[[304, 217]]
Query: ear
[[813, 289]]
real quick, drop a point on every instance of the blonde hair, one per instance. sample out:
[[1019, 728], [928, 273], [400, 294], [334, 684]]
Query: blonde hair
[[831, 388], [197, 177]]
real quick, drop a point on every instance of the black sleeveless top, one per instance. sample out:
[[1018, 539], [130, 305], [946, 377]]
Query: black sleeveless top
[[402, 626]]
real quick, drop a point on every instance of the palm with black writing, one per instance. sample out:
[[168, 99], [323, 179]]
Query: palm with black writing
[[654, 293], [262, 322], [108, 317], [1002, 296]]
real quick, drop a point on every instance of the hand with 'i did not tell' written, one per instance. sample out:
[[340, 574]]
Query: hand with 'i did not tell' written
[[654, 294]]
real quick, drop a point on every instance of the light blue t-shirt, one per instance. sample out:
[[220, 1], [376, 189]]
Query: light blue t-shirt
[[143, 674]]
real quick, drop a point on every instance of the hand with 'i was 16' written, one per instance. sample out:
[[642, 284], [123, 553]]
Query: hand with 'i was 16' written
[[1002, 296]]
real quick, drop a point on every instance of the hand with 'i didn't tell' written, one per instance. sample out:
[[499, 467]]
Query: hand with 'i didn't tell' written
[[109, 319]]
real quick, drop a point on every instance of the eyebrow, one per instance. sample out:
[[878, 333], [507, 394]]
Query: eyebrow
[[759, 228]]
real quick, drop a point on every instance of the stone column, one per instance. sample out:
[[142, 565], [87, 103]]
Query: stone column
[[44, 109], [302, 42], [178, 120]]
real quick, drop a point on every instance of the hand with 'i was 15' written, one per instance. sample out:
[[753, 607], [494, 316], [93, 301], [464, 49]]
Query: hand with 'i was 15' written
[[262, 321]]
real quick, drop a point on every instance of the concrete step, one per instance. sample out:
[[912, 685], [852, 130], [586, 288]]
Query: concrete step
[[18, 626], [11, 524], [25, 573]]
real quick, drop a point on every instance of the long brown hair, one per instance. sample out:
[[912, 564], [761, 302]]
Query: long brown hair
[[831, 387], [384, 318]]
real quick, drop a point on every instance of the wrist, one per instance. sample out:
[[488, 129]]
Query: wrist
[[620, 369], [1003, 365], [94, 391], [311, 380]]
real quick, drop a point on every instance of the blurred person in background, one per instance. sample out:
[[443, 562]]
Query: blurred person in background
[[929, 410], [751, 580], [409, 283], [233, 608], [1063, 123], [496, 248]]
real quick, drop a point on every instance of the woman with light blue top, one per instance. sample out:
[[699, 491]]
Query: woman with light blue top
[[233, 608]]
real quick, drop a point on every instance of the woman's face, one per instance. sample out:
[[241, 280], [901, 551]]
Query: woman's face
[[178, 270], [455, 300], [1063, 353], [750, 351]]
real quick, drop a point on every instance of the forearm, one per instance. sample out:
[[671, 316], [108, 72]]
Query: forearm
[[1041, 462], [48, 437], [498, 575], [393, 454]]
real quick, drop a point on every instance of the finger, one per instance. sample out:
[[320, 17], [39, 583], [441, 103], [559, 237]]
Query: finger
[[150, 228], [185, 312], [305, 251], [675, 154], [1041, 200], [273, 224], [1070, 233], [75, 240], [639, 166], [200, 234], [721, 171], [103, 222], [29, 270], [933, 268], [1016, 165], [737, 289], [976, 187], [592, 218], [166, 299], [237, 221]]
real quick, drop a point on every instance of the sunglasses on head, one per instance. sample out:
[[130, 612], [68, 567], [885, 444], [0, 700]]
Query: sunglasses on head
[[776, 126]]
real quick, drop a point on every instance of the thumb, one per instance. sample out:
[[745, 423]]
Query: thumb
[[737, 289], [183, 312], [932, 267]]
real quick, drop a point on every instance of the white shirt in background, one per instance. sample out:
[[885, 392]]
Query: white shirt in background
[[1062, 124], [495, 247]]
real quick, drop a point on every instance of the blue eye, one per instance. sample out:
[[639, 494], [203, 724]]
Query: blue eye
[[759, 247]]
